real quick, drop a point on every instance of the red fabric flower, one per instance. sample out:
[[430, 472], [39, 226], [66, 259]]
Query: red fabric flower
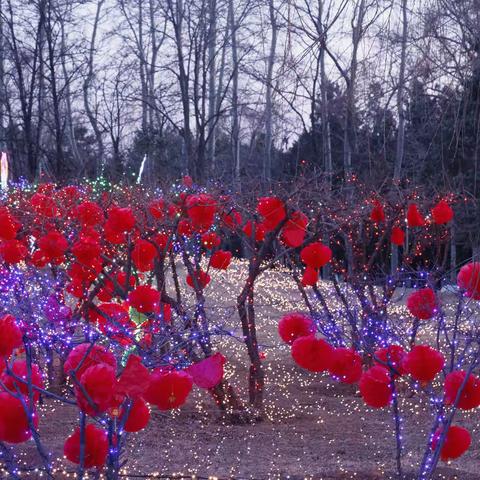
[[85, 355], [162, 239], [10, 335], [221, 260], [422, 303], [19, 369], [185, 227], [138, 416], [14, 426], [98, 381], [470, 396], [85, 273], [457, 442], [13, 251], [202, 279], [294, 231], [210, 240], [121, 220], [375, 387], [346, 365], [295, 325], [208, 373], [316, 255], [414, 217], [143, 255], [423, 363], [89, 214], [377, 215], [468, 279], [169, 390], [398, 236], [201, 210], [442, 213], [312, 354], [392, 355], [310, 277], [232, 219], [44, 205], [272, 209], [144, 299], [96, 447]]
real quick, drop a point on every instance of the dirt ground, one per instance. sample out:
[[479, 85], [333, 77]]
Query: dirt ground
[[315, 428]]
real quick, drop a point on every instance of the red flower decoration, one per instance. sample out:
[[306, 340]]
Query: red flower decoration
[[53, 245], [96, 447], [312, 354], [208, 373], [185, 227], [14, 426], [10, 335], [295, 325], [442, 213], [157, 209], [422, 303], [272, 209], [457, 442], [9, 226], [87, 251], [260, 230], [346, 365], [169, 390], [221, 260], [316, 255], [468, 279], [144, 299], [135, 378], [44, 205], [375, 387], [423, 363], [470, 396], [414, 217]]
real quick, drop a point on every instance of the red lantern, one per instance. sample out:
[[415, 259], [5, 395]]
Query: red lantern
[[10, 335], [14, 427], [398, 236], [84, 356], [422, 303], [346, 365], [221, 260], [95, 447], [310, 277], [19, 369], [144, 299], [312, 354], [138, 416], [457, 442], [201, 210], [272, 210], [470, 396], [121, 220], [208, 373], [377, 214], [202, 279], [392, 355], [423, 363], [468, 279], [169, 390], [295, 325], [442, 213], [89, 214], [316, 255], [294, 231], [143, 255], [414, 217], [375, 387], [210, 240]]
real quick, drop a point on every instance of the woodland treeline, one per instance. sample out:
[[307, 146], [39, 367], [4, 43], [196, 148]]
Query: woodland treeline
[[242, 89]]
